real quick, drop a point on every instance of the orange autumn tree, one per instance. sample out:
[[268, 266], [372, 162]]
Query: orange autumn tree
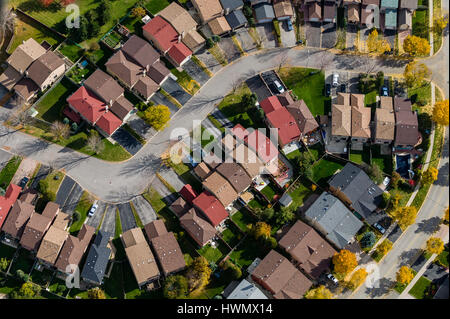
[[344, 262]]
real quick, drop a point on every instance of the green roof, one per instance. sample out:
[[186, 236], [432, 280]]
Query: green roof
[[390, 20], [389, 4]]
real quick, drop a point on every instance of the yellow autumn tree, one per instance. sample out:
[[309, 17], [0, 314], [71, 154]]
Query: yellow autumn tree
[[344, 261], [404, 275], [440, 112], [96, 293], [435, 245], [446, 215], [320, 292], [377, 44], [440, 23], [357, 279], [405, 216], [416, 46], [429, 176], [415, 74], [198, 273], [384, 247], [157, 116], [262, 229]]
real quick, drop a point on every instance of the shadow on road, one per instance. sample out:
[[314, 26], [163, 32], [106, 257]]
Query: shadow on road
[[382, 287], [429, 226]]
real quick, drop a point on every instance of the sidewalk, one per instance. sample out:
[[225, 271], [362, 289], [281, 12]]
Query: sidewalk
[[430, 24]]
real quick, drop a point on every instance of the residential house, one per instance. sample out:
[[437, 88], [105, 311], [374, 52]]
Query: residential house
[[285, 98], [278, 276], [407, 135], [264, 13], [166, 247], [405, 13], [255, 2], [341, 115], [360, 120], [265, 149], [314, 10], [219, 26], [236, 19], [167, 40], [140, 256], [16, 220], [231, 5], [249, 161], [283, 9], [388, 12], [7, 201], [303, 117], [236, 175], [199, 229], [184, 24], [46, 70], [352, 8], [211, 208], [94, 267], [353, 187], [179, 207], [208, 9], [221, 188], [310, 252], [329, 11], [384, 121], [74, 249], [37, 225], [202, 170], [335, 221], [370, 13], [244, 290]]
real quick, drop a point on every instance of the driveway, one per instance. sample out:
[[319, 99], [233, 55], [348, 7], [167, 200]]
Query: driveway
[[267, 33], [352, 32], [4, 158], [218, 115], [72, 200], [206, 123], [109, 221], [26, 168], [172, 178], [257, 86], [64, 190], [246, 41], [288, 38], [144, 210], [313, 34], [126, 217], [95, 220], [231, 52], [195, 72], [41, 174], [159, 98], [270, 77], [141, 127], [166, 195], [389, 35], [328, 35], [208, 59], [363, 35], [127, 141], [173, 88]]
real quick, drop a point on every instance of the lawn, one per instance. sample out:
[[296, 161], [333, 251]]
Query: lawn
[[6, 251], [72, 51], [183, 78], [420, 288], [269, 191], [255, 203], [78, 74], [184, 171], [58, 286], [83, 207], [443, 258], [213, 255], [421, 94], [23, 262], [299, 194], [308, 87], [118, 231], [383, 161], [242, 218], [420, 23], [231, 235], [42, 278], [154, 6], [170, 220], [370, 99], [54, 180], [293, 156], [399, 287], [8, 172], [134, 24], [207, 137], [323, 170], [136, 216], [247, 251]]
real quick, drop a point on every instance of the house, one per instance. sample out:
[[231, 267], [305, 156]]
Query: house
[[407, 135], [249, 161], [264, 13], [330, 217], [16, 221], [352, 11], [239, 132], [384, 121], [37, 225], [308, 250], [314, 10], [219, 26], [283, 10], [265, 149], [166, 247], [211, 208], [167, 40], [46, 70], [202, 170], [221, 188], [179, 207], [94, 267], [341, 114], [140, 256], [184, 24], [188, 193], [231, 5], [370, 13], [53, 240], [208, 9], [360, 119], [245, 290], [285, 98], [329, 11], [199, 229], [236, 19], [6, 202], [278, 276], [406, 10], [388, 10], [236, 175], [353, 187], [303, 117]]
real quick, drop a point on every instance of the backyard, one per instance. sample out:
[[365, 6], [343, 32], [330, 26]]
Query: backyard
[[71, 51], [242, 218], [323, 170]]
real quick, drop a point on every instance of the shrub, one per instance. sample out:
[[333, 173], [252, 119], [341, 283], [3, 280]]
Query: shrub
[[209, 43], [368, 240]]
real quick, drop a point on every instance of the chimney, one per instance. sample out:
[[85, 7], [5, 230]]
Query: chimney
[[179, 38], [26, 73], [110, 103], [227, 11], [144, 72]]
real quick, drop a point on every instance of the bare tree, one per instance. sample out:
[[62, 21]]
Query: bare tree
[[95, 144], [324, 60], [60, 130], [283, 61], [234, 86], [6, 19], [371, 66], [20, 118]]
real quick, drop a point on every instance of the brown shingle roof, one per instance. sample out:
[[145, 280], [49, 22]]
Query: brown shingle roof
[[178, 17], [34, 231], [169, 253], [193, 39], [315, 10], [282, 9], [51, 210], [361, 121], [158, 72], [179, 207], [285, 98], [198, 228], [104, 86], [384, 123], [219, 26], [10, 77], [140, 51], [25, 54], [202, 170], [207, 9], [220, 188], [386, 102], [248, 160], [61, 221], [146, 86], [236, 175], [303, 116], [341, 120], [17, 219], [121, 107], [353, 13], [406, 128], [40, 70], [123, 68], [26, 88], [51, 244], [155, 229], [312, 252]]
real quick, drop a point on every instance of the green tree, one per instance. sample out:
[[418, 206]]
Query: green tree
[[305, 160], [4, 263], [157, 116], [176, 287], [368, 239], [284, 216], [105, 12], [415, 74]]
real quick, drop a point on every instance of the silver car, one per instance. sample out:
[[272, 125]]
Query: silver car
[[93, 209]]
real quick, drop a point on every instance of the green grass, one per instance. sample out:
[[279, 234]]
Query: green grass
[[247, 251], [216, 123], [255, 203], [242, 218], [136, 216], [269, 191], [442, 259], [54, 286], [213, 254], [420, 93], [420, 23], [23, 262], [205, 141], [78, 74], [184, 171], [299, 194], [231, 235], [308, 87], [356, 156], [53, 184], [118, 230], [83, 207], [293, 156], [323, 170], [71, 51], [420, 288], [162, 211], [383, 161], [42, 278], [154, 6], [8, 172], [370, 99], [134, 24]]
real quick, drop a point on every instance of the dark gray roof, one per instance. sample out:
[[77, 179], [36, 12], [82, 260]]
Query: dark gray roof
[[443, 290], [336, 219], [231, 4], [264, 11], [97, 259], [236, 19], [285, 200], [364, 194]]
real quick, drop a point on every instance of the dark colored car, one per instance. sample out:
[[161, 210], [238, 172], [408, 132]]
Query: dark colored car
[[289, 25], [379, 228], [343, 88], [385, 91], [23, 182], [327, 89]]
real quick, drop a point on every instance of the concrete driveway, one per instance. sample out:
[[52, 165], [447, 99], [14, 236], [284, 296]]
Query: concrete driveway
[[172, 178], [26, 168], [109, 220], [144, 210], [95, 220], [267, 33], [288, 38], [313, 34], [329, 35], [162, 190], [126, 217], [195, 72], [173, 88], [208, 60], [246, 41], [231, 52], [127, 141]]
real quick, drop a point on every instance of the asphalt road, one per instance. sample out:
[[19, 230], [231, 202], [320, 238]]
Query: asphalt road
[[109, 220], [72, 200]]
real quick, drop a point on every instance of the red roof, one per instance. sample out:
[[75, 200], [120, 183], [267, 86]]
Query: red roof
[[271, 104], [239, 131], [262, 145], [162, 32], [11, 195], [109, 123], [211, 208], [288, 130], [87, 104], [71, 114], [179, 52], [188, 193]]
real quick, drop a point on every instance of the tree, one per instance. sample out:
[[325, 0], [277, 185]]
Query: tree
[[94, 143], [344, 261], [440, 23], [405, 216], [261, 230], [440, 112], [27, 291], [358, 277], [21, 118], [375, 173], [285, 216], [368, 240], [395, 180], [404, 275], [60, 130], [435, 245], [209, 43], [386, 198], [384, 247], [157, 116], [176, 287], [96, 293], [377, 44], [198, 273], [320, 292], [265, 214], [138, 12], [232, 271], [105, 12], [305, 160], [429, 176], [415, 73], [446, 215], [248, 101], [416, 46], [4, 263]]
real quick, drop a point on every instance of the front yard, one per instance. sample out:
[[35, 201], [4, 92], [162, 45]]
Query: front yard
[[82, 208], [421, 289], [8, 172]]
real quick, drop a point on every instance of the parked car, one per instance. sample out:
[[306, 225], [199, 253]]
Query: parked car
[[289, 25], [379, 228], [327, 89], [23, 182], [93, 209], [343, 88], [278, 86], [386, 181], [384, 91], [335, 79], [333, 279]]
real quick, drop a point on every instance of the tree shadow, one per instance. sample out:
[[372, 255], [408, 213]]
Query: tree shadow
[[145, 166], [443, 176], [33, 147], [429, 226], [68, 162], [409, 257], [382, 287]]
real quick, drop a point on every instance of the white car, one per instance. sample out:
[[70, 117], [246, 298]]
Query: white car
[[278, 86], [386, 181], [335, 79], [333, 279], [93, 209]]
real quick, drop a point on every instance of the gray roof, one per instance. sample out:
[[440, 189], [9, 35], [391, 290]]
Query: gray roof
[[408, 4], [364, 194], [231, 4], [285, 200], [236, 19], [443, 290], [336, 219], [97, 259], [264, 11], [246, 290]]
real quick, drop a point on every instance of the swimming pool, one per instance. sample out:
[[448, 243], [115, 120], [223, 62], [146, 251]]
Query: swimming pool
[[402, 165]]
